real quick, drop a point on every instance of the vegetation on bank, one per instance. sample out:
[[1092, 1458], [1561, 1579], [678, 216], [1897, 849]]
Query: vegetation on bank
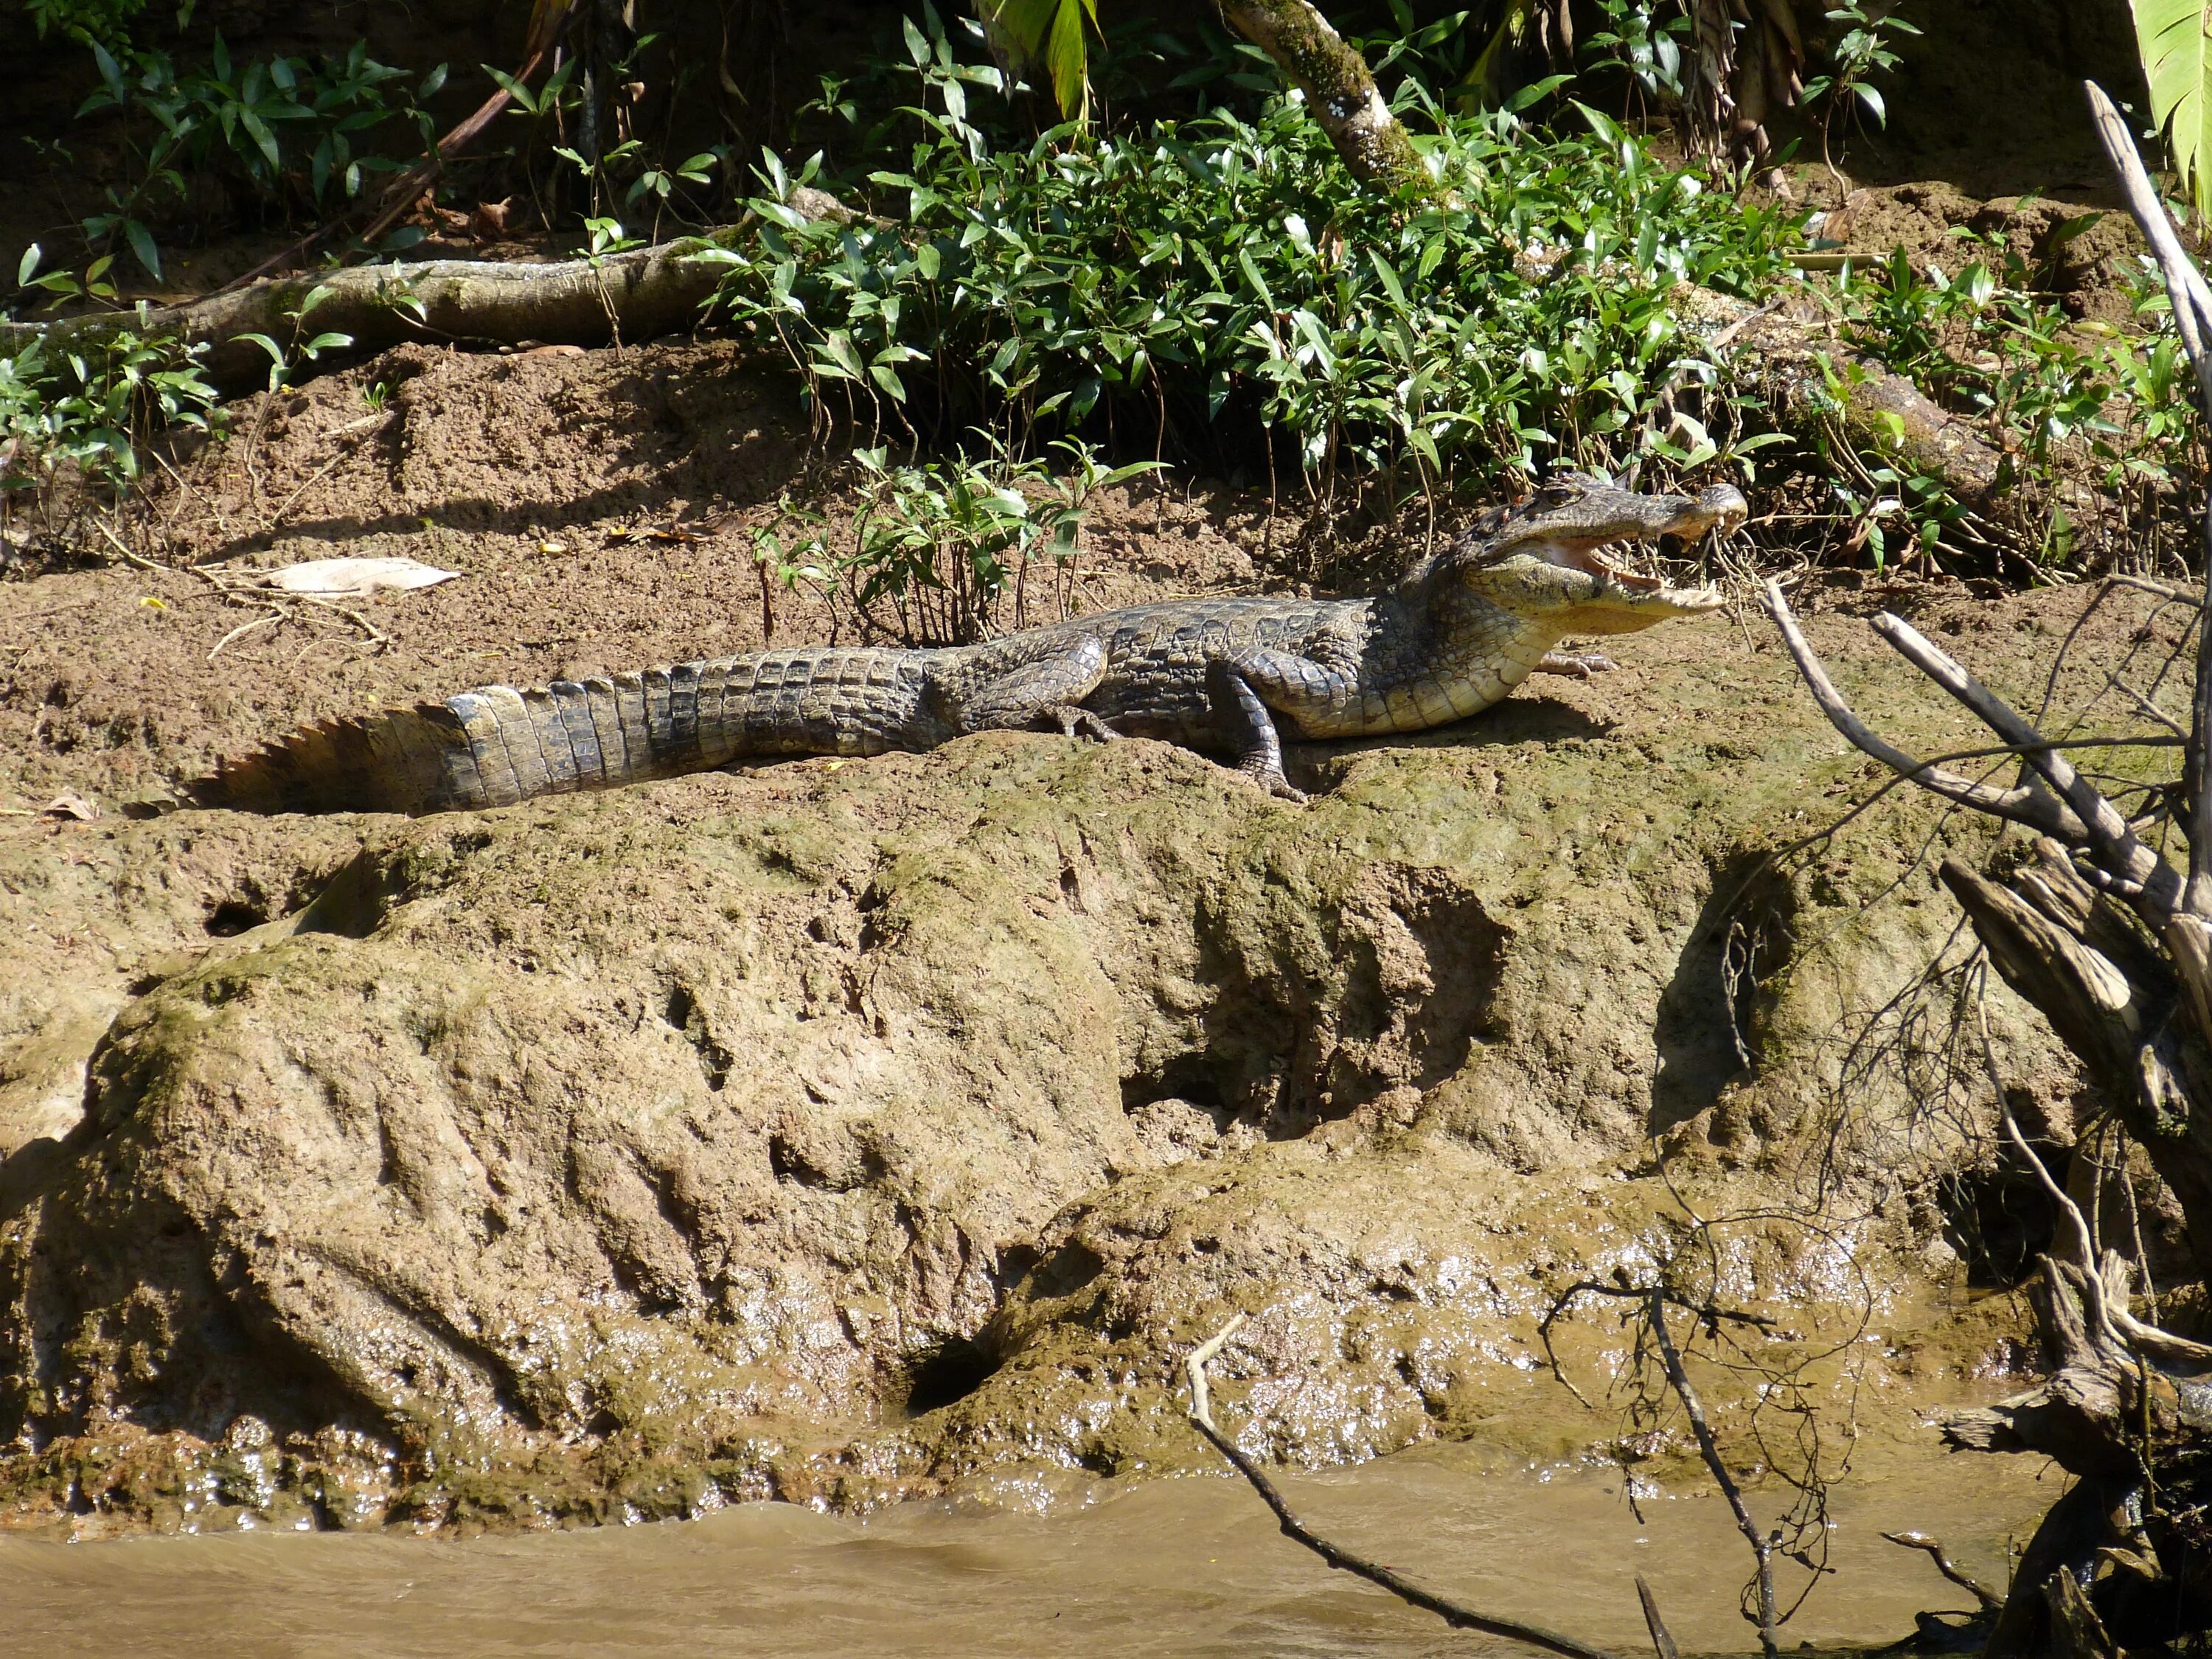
[[1214, 289]]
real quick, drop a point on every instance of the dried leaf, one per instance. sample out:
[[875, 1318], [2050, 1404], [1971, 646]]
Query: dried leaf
[[70, 804], [350, 579]]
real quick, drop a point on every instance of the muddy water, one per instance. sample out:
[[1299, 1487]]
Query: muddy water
[[1182, 1567]]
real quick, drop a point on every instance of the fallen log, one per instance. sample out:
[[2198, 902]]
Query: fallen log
[[587, 302]]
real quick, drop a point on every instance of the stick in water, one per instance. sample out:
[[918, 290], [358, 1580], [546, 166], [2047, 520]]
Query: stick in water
[[1459, 1617]]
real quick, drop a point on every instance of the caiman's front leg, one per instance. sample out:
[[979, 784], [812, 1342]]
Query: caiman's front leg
[[1045, 689], [1244, 688]]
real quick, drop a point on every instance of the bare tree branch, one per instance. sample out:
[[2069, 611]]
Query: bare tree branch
[[1989, 1599], [2030, 807], [1662, 1639], [2191, 300], [2115, 846], [1762, 1547]]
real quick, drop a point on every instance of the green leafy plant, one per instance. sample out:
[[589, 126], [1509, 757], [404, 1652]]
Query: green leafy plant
[[942, 552], [1861, 50], [1225, 284], [89, 411], [1988, 338], [286, 133], [106, 22], [1052, 32], [2175, 39]]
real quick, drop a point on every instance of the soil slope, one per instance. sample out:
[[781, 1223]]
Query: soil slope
[[851, 1131]]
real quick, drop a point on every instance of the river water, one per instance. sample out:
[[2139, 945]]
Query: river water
[[1170, 1567]]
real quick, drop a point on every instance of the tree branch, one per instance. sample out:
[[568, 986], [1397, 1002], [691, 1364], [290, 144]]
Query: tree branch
[[1341, 95], [2191, 301], [2117, 847], [1762, 1547], [1989, 1599], [2033, 808]]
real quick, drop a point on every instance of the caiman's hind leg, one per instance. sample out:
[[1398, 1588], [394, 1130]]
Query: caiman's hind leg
[[1047, 691]]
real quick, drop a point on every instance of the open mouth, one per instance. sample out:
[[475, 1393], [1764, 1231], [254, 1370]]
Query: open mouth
[[1721, 508], [1587, 558]]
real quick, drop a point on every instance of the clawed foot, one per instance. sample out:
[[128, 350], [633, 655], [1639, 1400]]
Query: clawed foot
[[1271, 780], [1577, 664], [1074, 721]]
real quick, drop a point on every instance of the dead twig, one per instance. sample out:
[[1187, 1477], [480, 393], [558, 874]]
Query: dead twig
[[1452, 1613], [1989, 1599], [1762, 1545], [1663, 1640]]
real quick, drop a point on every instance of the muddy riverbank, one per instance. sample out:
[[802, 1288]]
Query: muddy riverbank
[[850, 1132]]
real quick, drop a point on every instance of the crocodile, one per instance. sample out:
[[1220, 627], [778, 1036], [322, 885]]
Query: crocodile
[[1226, 676]]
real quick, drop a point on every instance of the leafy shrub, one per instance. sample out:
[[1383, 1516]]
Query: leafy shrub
[[90, 411], [284, 132], [107, 21], [2114, 410], [943, 552], [1221, 277]]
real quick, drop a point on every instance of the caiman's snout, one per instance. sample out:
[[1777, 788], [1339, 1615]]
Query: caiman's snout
[[1722, 508], [1548, 557]]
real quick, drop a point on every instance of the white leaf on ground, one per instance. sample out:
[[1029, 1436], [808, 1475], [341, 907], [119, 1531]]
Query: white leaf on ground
[[332, 579], [71, 804]]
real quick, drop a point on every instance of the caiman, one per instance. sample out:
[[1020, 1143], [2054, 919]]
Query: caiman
[[1226, 676]]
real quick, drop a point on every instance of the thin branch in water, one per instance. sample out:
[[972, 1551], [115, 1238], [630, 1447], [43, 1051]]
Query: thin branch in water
[[1452, 1613], [1762, 1547], [1990, 1601], [1663, 1640]]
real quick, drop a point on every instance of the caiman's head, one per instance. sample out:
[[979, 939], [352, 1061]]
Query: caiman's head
[[1544, 558]]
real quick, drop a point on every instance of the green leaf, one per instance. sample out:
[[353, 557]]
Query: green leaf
[[142, 243], [2175, 38], [24, 271], [1066, 56]]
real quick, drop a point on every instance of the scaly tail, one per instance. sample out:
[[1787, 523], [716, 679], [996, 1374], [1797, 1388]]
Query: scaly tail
[[495, 745]]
